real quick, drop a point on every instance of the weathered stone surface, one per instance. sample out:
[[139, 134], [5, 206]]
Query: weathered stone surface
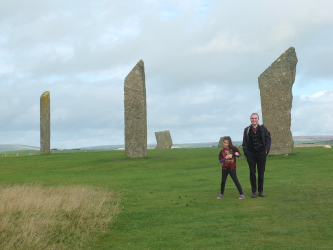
[[275, 85], [163, 139], [135, 112], [45, 121], [220, 145]]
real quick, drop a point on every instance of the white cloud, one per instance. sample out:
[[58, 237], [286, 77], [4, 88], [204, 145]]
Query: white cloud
[[325, 96], [311, 114]]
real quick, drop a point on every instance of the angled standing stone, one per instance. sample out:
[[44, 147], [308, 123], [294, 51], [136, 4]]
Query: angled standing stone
[[220, 145], [275, 85], [45, 128], [135, 112], [163, 139]]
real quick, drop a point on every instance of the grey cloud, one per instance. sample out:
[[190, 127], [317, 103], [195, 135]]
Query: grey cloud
[[201, 57]]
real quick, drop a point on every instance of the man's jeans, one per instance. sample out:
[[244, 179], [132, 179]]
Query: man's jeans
[[256, 160]]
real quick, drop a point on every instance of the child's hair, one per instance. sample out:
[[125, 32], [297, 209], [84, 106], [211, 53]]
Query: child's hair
[[227, 138]]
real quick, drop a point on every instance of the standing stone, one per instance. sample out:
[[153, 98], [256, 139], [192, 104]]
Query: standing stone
[[135, 112], [275, 85], [220, 145], [45, 128], [163, 139]]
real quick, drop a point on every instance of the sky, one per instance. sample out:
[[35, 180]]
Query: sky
[[202, 62]]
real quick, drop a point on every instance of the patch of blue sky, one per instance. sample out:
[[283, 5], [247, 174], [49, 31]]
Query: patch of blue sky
[[204, 7], [22, 75], [93, 78], [169, 14], [131, 27], [201, 9], [116, 73], [301, 87], [114, 35], [53, 78], [202, 12], [12, 78]]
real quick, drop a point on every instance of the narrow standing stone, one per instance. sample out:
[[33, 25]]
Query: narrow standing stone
[[135, 112], [163, 139], [45, 128], [275, 85]]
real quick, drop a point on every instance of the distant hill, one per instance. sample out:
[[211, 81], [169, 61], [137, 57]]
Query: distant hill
[[12, 147], [315, 139], [312, 137]]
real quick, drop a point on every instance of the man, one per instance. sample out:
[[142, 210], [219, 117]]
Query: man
[[256, 146]]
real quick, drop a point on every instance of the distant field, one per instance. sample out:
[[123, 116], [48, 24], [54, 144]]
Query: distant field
[[21, 149], [168, 200]]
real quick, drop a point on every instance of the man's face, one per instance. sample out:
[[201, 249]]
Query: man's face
[[254, 120]]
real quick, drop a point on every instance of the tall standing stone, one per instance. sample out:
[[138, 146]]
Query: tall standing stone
[[275, 85], [45, 121], [163, 139], [135, 112]]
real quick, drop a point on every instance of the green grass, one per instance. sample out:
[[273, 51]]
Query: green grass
[[11, 153], [168, 199]]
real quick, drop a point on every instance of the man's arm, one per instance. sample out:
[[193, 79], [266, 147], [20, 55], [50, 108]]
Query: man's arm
[[245, 141], [267, 140]]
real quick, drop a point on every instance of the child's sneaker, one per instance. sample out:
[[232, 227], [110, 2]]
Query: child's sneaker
[[242, 196], [220, 196]]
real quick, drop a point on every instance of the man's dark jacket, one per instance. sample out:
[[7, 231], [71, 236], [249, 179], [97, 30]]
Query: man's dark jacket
[[266, 138]]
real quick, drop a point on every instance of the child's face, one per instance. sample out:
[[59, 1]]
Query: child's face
[[225, 144]]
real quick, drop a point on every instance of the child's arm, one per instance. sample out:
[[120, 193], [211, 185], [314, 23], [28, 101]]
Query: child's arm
[[222, 160], [237, 152], [221, 157]]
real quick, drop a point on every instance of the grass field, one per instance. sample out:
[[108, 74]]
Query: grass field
[[168, 200]]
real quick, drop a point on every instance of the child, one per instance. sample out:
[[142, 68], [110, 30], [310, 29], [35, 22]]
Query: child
[[227, 157]]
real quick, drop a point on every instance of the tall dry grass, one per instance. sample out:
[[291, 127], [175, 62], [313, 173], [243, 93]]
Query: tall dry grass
[[36, 217]]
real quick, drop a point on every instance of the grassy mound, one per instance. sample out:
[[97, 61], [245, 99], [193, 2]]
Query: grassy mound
[[35, 217]]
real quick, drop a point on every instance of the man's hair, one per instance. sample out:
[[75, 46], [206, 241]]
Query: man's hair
[[254, 114]]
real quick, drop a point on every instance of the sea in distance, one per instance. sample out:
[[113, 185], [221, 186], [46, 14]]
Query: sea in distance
[[298, 141]]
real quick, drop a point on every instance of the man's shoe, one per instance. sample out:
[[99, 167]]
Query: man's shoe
[[254, 195], [220, 196], [242, 196], [261, 194]]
